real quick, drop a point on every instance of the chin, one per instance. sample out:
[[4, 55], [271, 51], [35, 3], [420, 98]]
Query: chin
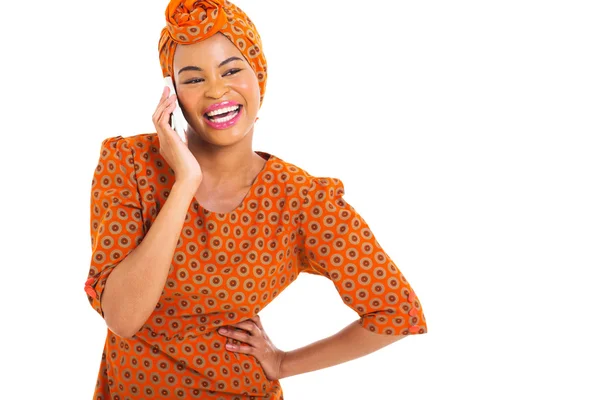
[[225, 137]]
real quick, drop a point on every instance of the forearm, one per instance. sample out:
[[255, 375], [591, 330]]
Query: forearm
[[352, 342], [134, 287]]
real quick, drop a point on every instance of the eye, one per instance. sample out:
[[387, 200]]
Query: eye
[[228, 73], [194, 80], [233, 71]]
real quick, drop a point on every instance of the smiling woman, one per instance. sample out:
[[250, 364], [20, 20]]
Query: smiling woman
[[190, 238]]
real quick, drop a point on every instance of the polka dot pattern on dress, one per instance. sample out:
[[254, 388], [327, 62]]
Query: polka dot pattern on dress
[[226, 268]]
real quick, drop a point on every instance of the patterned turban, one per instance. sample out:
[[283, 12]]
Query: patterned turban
[[190, 21]]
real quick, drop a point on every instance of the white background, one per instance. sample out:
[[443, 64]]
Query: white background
[[465, 132]]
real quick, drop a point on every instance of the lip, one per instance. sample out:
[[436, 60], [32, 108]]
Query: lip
[[223, 104], [226, 124]]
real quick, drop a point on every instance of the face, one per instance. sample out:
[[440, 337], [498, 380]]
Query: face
[[217, 90]]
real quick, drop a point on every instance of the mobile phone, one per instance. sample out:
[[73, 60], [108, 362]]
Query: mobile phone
[[177, 120]]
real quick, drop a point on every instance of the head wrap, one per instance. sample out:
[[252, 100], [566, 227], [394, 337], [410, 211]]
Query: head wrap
[[190, 21]]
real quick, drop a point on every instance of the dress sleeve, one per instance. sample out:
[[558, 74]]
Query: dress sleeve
[[116, 223], [338, 244]]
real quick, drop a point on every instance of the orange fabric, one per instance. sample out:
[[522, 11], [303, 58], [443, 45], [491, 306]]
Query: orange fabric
[[226, 268], [190, 21]]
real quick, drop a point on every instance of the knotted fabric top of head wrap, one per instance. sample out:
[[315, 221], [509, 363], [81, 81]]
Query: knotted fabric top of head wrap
[[190, 21]]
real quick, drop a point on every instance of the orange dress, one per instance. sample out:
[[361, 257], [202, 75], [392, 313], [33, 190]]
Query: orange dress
[[225, 269]]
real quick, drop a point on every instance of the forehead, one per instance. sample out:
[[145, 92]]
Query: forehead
[[206, 52]]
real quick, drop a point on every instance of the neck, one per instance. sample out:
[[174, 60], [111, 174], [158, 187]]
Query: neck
[[226, 163]]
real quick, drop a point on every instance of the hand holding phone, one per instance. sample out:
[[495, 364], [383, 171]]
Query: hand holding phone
[[177, 120], [173, 147]]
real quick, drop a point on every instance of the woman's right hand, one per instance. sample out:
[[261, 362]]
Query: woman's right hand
[[172, 148]]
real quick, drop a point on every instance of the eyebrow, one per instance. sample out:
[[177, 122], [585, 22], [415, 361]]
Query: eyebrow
[[194, 68]]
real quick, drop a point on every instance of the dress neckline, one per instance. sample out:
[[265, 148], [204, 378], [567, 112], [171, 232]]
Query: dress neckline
[[269, 158]]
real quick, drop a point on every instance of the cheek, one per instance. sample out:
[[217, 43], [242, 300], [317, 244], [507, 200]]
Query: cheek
[[188, 101], [250, 89]]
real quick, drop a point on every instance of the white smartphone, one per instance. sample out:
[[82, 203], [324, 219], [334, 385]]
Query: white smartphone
[[177, 121]]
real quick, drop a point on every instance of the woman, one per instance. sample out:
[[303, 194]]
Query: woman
[[191, 240]]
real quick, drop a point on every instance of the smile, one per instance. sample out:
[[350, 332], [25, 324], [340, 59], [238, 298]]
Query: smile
[[223, 118]]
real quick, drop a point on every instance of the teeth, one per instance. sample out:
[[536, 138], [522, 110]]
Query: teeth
[[224, 119], [221, 111]]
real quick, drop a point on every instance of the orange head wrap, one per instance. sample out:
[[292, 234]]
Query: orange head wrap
[[190, 21]]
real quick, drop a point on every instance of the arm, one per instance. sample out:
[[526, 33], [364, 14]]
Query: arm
[[352, 342], [133, 289], [130, 257], [337, 243]]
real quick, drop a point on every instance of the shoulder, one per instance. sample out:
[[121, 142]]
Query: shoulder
[[115, 177], [122, 158], [144, 142], [132, 153], [307, 185]]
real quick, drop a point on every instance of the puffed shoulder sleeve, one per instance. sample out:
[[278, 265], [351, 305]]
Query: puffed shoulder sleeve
[[338, 244], [116, 223]]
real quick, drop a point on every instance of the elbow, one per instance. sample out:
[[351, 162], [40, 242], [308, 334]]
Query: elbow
[[115, 327], [118, 319], [124, 331], [117, 323], [119, 332]]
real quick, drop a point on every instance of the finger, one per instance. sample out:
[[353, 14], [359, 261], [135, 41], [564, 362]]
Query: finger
[[240, 335], [256, 320], [166, 94], [164, 99], [167, 106], [240, 348], [163, 119], [166, 113], [248, 325], [165, 103]]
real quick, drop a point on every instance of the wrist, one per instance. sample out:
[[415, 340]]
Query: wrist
[[190, 184], [283, 366], [289, 364]]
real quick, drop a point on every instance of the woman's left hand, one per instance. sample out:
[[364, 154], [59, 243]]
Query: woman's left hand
[[256, 343]]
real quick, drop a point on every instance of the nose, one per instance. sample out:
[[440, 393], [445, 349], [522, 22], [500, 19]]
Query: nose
[[216, 88]]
